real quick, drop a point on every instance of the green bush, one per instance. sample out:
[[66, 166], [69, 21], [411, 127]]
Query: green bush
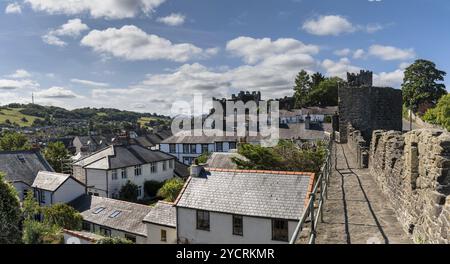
[[35, 232], [440, 115], [129, 192], [151, 188], [10, 213], [171, 188], [113, 240], [63, 216]]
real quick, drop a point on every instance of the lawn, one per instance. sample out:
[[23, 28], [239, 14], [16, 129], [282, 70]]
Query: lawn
[[14, 115]]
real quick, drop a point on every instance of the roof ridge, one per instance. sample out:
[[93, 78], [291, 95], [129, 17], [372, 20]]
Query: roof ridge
[[261, 171]]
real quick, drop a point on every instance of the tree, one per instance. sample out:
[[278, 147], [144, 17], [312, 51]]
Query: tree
[[325, 93], [35, 232], [57, 155], [113, 240], [316, 79], [171, 188], [10, 213], [258, 158], [301, 88], [129, 192], [422, 84], [440, 115], [30, 206], [11, 141], [63, 216]]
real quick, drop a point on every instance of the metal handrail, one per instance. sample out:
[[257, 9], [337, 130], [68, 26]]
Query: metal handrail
[[310, 210]]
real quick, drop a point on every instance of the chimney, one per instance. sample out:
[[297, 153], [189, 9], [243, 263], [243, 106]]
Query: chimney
[[196, 169], [308, 122]]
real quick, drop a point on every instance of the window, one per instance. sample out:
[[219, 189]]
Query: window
[[86, 226], [280, 230], [205, 148], [123, 173], [219, 146], [114, 174], [238, 225], [172, 148], [153, 167], [99, 210], [42, 196], [186, 148], [137, 170], [171, 164], [232, 145], [163, 235], [193, 148], [188, 160], [203, 220], [115, 214], [131, 238], [164, 165], [105, 231], [139, 193]]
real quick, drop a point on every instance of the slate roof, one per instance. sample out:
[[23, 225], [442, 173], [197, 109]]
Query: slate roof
[[51, 181], [120, 156], [129, 220], [23, 166], [223, 160], [269, 194], [163, 213], [181, 170]]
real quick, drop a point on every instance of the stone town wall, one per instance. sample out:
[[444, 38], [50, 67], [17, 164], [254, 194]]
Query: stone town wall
[[413, 171], [358, 146]]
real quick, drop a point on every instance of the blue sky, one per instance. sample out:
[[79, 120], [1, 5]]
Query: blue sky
[[146, 54]]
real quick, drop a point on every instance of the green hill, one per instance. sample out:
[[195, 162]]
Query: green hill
[[15, 116]]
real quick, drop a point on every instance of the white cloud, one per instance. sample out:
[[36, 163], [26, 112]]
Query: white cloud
[[339, 68], [342, 52], [56, 92], [110, 9], [13, 8], [7, 84], [359, 53], [19, 74], [173, 19], [72, 28], [328, 25], [89, 83], [131, 43], [391, 53], [372, 28], [255, 50], [389, 79]]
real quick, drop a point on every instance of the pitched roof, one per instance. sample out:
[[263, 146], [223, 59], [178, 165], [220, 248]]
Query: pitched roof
[[163, 213], [128, 220], [51, 181], [270, 194], [223, 160], [120, 156], [181, 170], [23, 166]]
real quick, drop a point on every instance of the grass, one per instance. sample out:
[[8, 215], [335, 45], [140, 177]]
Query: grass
[[15, 116], [144, 120]]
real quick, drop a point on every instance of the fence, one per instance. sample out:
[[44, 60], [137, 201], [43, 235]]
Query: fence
[[319, 195]]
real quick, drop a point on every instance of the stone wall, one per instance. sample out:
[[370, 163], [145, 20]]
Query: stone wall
[[413, 171], [369, 108], [358, 146]]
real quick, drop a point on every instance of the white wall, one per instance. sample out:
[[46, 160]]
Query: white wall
[[118, 233], [69, 191], [154, 234], [97, 179], [48, 197], [255, 230], [179, 150]]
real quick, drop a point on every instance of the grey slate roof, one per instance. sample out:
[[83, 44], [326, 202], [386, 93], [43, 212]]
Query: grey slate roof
[[253, 193], [23, 166], [223, 160], [129, 220], [49, 181], [181, 170], [119, 156], [188, 137], [163, 213]]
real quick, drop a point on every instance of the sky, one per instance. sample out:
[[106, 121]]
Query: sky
[[144, 55]]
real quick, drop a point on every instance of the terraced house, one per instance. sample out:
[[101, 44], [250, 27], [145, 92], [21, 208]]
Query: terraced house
[[106, 171]]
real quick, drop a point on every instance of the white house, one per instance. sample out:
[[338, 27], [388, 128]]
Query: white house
[[113, 218], [51, 188], [316, 114], [239, 207], [106, 171], [161, 224], [21, 168]]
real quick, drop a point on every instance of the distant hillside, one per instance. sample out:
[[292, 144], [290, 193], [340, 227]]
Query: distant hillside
[[32, 114]]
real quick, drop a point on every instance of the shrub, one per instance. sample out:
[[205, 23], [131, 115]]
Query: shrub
[[35, 232], [63, 216], [151, 188], [171, 188], [10, 213], [113, 240], [129, 192]]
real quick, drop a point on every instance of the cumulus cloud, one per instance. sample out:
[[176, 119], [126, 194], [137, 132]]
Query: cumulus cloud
[[255, 50], [390, 79], [13, 8], [57, 92], [173, 19], [19, 74], [391, 53], [339, 68], [342, 52], [359, 53], [110, 9], [89, 83], [7, 84], [72, 28], [334, 25], [132, 43]]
